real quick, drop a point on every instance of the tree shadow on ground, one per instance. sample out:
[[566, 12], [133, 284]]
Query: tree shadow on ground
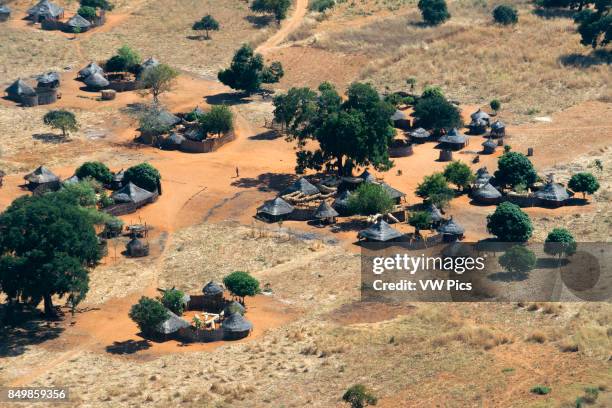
[[507, 277], [51, 138], [349, 225], [576, 60], [266, 181], [267, 135], [227, 98], [198, 38], [552, 13], [259, 21], [551, 263], [128, 346], [27, 329]]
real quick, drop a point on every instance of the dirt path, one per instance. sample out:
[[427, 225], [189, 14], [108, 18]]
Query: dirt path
[[290, 24]]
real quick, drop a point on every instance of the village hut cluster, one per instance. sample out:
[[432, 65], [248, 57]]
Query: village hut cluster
[[51, 16], [216, 318], [45, 92]]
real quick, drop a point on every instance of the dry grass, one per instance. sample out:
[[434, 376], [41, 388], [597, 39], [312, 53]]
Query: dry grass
[[537, 336]]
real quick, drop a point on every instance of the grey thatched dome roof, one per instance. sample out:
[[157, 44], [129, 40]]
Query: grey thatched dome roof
[[498, 125], [379, 231], [91, 68], [41, 175], [78, 21], [174, 139], [137, 245], [119, 175], [552, 192], [4, 9], [453, 137], [325, 211], [167, 119], [398, 115], [236, 323], [96, 80], [71, 180], [434, 213], [47, 9], [212, 289], [278, 206], [420, 133], [341, 201], [491, 144], [487, 191], [233, 307], [48, 78], [480, 115], [131, 193], [392, 192], [450, 227], [172, 324], [20, 88], [302, 185]]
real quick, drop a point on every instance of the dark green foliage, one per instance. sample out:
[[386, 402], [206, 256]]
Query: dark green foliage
[[518, 259], [370, 199], [595, 26], [276, 7], [321, 5], [219, 120], [396, 99], [432, 91], [354, 132], [158, 79], [540, 390], [459, 174], [420, 220], [435, 112], [505, 14], [61, 119], [148, 314], [241, 284], [514, 168], [144, 176], [435, 189], [172, 299], [101, 4], [151, 123], [96, 170], [247, 71], [193, 116], [358, 396], [495, 104], [584, 183], [126, 59], [47, 242], [206, 24], [509, 223], [434, 12], [87, 12], [560, 242]]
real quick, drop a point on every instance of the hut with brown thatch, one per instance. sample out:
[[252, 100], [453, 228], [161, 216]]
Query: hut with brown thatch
[[90, 69], [170, 328], [96, 82], [341, 203], [489, 146], [450, 142], [236, 327], [274, 210], [419, 135], [400, 120], [486, 194], [380, 231], [451, 231], [5, 13], [45, 10], [136, 248], [19, 91], [325, 213], [498, 129], [41, 180], [552, 194]]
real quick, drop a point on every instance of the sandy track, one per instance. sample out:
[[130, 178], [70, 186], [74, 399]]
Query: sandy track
[[287, 27]]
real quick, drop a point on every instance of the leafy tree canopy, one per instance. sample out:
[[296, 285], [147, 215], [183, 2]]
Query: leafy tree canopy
[[560, 242], [584, 183], [434, 12], [87, 12], [595, 26], [159, 79], [432, 91], [518, 259], [126, 59], [247, 72], [144, 176], [358, 396], [148, 314], [172, 299], [420, 220], [435, 189], [219, 120], [505, 14], [435, 112], [370, 199], [207, 24], [509, 223], [241, 284], [61, 119], [459, 174], [495, 104], [96, 170], [514, 168], [276, 7], [100, 4]]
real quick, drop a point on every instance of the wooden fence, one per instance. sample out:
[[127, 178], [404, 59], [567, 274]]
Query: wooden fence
[[206, 145]]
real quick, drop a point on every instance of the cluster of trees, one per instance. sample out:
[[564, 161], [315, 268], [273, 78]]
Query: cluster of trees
[[144, 176], [434, 12], [370, 199], [63, 120], [515, 169], [89, 8], [218, 120], [435, 190], [278, 8], [126, 60], [434, 111], [354, 132], [247, 71], [206, 24]]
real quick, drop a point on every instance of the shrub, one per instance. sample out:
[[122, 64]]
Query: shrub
[[241, 284], [518, 260], [434, 12], [358, 396], [495, 104], [126, 59], [148, 314], [505, 14], [172, 299], [509, 223], [219, 120], [63, 120], [96, 170], [435, 112], [515, 168], [101, 4], [540, 390], [321, 5], [144, 176], [584, 183], [87, 12], [559, 242], [459, 174], [420, 220], [435, 189], [370, 199], [431, 91]]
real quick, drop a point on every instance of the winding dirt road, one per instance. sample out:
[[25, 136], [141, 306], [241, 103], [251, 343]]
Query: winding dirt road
[[288, 26]]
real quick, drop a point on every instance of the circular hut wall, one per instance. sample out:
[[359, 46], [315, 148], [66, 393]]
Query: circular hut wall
[[46, 96], [446, 155], [400, 151], [29, 100]]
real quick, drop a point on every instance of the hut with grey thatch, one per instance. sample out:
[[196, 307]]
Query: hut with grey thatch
[[117, 182], [400, 120], [212, 299], [90, 69], [498, 129], [325, 213], [136, 248], [341, 203], [78, 23], [552, 195], [394, 193], [274, 210], [45, 10], [302, 186], [49, 79], [380, 231], [434, 214], [233, 307], [482, 116], [173, 141], [46, 88], [477, 127], [236, 327], [96, 81], [482, 177], [132, 194], [41, 180], [171, 327], [5, 13], [451, 231], [489, 146], [450, 142], [419, 135], [19, 91], [486, 194]]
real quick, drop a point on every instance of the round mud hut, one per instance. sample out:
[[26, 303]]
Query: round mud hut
[[481, 115], [78, 23], [169, 329], [90, 69], [367, 177], [96, 82], [341, 203], [274, 210], [400, 148], [498, 129], [552, 195], [233, 307], [434, 213], [477, 127], [451, 231], [325, 213], [482, 177], [5, 13], [487, 194], [450, 142], [213, 300], [19, 91], [136, 248], [236, 327], [41, 180], [489, 146], [419, 135], [301, 186], [45, 10], [380, 231], [400, 120]]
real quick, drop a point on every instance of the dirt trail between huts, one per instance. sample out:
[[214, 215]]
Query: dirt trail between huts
[[287, 27]]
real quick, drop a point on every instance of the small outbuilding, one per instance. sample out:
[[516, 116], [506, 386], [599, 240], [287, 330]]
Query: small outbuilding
[[477, 127], [42, 179], [90, 69], [274, 210], [552, 195], [487, 194], [325, 213], [419, 135], [450, 142], [45, 10], [451, 231], [302, 186], [400, 148], [380, 231], [136, 248], [212, 299], [132, 194], [233, 307], [489, 146], [78, 23], [49, 79], [236, 327], [96, 81], [498, 129], [400, 120], [5, 13], [341, 203], [171, 326], [394, 193], [19, 91], [481, 115]]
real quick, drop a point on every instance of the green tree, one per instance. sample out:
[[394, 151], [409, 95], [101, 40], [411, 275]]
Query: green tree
[[63, 120], [241, 284], [172, 299], [434, 12], [431, 91], [247, 71], [584, 183], [101, 4], [148, 314], [276, 7], [495, 104], [370, 199], [321, 5], [295, 108], [47, 244], [559, 242], [459, 174], [435, 112], [159, 79], [509, 223], [87, 12], [96, 170], [358, 396], [435, 189], [420, 220], [595, 26], [144, 176], [126, 59], [518, 260], [219, 120], [514, 168], [206, 24], [505, 14]]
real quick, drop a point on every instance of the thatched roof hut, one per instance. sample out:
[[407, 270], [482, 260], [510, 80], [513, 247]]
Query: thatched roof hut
[[380, 231], [340, 204], [394, 193], [236, 327], [450, 230], [131, 193], [400, 120], [117, 182], [212, 289], [173, 141], [326, 213], [419, 135], [498, 129], [96, 81], [74, 179], [434, 213], [45, 10], [137, 248], [453, 140], [482, 176], [552, 194], [42, 175], [79, 22], [5, 13], [480, 115], [19, 89], [233, 307], [91, 68], [303, 186], [149, 63], [275, 210], [172, 324], [489, 146], [486, 194], [49, 79], [478, 127]]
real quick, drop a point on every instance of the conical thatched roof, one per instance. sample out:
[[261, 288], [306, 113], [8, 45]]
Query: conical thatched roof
[[119, 175], [149, 63], [487, 191], [175, 139], [434, 213], [46, 9], [420, 133], [167, 119], [96, 80], [233, 307], [450, 227], [367, 177], [341, 201], [20, 88], [91, 68], [41, 175], [491, 144], [379, 231], [498, 125], [78, 21], [325, 211], [480, 115], [552, 192], [303, 186], [131, 193], [392, 192], [172, 324], [453, 137], [135, 245], [48, 78], [71, 180], [236, 323], [275, 207], [398, 115], [212, 289]]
